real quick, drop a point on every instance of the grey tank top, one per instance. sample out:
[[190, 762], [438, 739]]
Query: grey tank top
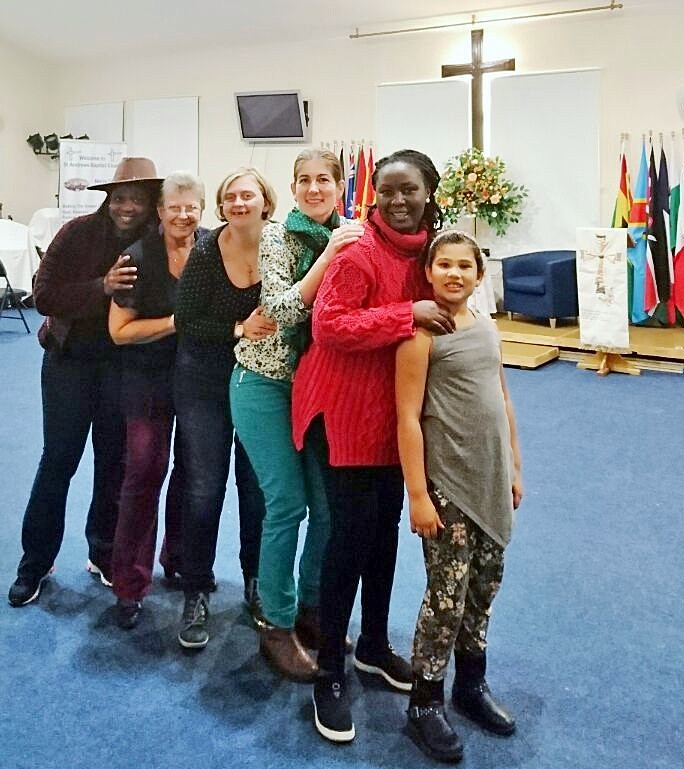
[[467, 439]]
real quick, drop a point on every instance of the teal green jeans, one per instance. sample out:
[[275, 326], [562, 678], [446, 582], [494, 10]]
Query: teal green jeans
[[292, 483]]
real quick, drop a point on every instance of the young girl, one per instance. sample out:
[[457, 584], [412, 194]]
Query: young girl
[[461, 461]]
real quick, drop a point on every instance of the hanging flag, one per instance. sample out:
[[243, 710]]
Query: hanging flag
[[340, 203], [351, 183], [675, 192], [623, 202], [638, 220], [653, 255], [659, 236], [665, 275], [675, 178], [360, 184], [368, 189], [678, 259]]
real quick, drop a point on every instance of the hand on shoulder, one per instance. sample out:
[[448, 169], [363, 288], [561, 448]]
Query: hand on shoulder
[[342, 236], [429, 315]]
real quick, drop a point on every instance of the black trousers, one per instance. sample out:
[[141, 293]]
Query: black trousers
[[77, 394], [365, 509]]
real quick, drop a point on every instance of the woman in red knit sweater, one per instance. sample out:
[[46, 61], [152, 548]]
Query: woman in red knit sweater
[[373, 296]]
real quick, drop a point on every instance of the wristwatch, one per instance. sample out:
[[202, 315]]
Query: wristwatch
[[239, 331]]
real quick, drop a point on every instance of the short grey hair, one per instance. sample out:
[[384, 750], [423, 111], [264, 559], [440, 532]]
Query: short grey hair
[[182, 181]]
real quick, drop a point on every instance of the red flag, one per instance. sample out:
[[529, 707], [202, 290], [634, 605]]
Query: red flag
[[360, 184], [624, 201], [368, 191], [678, 288]]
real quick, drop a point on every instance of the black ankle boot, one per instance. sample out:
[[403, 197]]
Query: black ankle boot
[[427, 723], [253, 601], [472, 698]]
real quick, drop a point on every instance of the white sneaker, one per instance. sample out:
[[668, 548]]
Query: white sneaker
[[91, 568]]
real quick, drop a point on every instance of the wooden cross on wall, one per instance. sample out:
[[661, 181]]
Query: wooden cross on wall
[[477, 68]]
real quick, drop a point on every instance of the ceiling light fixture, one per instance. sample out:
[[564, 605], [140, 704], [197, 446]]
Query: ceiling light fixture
[[474, 19]]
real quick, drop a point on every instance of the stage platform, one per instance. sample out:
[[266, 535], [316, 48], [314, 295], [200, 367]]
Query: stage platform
[[530, 343]]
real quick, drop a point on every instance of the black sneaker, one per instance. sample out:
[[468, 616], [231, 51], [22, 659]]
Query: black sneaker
[[24, 589], [193, 633], [128, 613], [384, 662], [332, 712]]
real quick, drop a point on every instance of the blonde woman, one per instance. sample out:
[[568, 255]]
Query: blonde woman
[[217, 304]]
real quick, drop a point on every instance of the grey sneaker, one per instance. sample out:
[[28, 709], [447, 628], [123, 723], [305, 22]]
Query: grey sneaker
[[193, 633]]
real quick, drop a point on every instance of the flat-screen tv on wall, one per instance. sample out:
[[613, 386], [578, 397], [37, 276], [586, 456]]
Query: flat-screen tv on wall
[[272, 116]]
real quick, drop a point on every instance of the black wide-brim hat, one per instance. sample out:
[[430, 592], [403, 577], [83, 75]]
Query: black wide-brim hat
[[131, 171]]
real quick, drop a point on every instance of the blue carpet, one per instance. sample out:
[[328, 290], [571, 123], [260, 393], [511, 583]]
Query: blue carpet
[[585, 643]]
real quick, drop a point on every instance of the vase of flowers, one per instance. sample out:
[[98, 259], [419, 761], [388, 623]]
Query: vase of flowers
[[474, 185]]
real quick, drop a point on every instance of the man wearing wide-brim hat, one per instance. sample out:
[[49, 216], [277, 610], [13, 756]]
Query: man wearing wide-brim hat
[[81, 372]]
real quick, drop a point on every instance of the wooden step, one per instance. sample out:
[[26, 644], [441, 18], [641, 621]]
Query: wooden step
[[527, 355]]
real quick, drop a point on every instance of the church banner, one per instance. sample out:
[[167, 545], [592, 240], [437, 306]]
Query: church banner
[[602, 289], [82, 163]]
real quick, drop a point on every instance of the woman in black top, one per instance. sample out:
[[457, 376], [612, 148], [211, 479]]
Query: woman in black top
[[141, 318], [217, 303]]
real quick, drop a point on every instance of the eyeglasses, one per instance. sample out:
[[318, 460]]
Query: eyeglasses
[[178, 210]]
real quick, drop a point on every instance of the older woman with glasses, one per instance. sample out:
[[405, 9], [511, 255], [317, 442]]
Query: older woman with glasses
[[141, 318]]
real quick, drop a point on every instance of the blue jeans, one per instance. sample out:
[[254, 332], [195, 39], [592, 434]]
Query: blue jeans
[[291, 482], [77, 393], [204, 420]]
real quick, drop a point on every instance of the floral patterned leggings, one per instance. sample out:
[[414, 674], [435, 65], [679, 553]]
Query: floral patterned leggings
[[464, 570]]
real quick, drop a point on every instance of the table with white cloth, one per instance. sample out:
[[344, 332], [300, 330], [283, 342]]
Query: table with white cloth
[[44, 225], [18, 254]]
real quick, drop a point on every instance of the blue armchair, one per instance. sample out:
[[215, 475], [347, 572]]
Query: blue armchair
[[542, 284]]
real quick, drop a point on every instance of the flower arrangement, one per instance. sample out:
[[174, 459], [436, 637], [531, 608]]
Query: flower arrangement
[[473, 185]]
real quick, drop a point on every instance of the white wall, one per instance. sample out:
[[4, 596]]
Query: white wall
[[641, 74], [27, 182]]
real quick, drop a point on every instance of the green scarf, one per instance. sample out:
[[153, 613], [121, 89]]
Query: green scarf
[[314, 238]]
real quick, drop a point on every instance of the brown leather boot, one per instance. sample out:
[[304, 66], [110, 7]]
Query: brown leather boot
[[308, 628], [284, 652]]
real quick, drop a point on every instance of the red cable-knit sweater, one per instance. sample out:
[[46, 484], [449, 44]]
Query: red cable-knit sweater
[[362, 311]]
